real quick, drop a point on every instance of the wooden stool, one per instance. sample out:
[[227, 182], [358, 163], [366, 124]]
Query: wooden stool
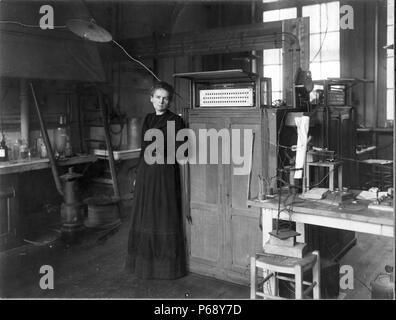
[[274, 264]]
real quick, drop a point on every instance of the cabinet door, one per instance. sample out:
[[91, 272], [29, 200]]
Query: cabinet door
[[206, 207], [243, 234]]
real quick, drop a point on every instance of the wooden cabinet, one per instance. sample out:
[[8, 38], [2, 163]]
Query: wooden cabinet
[[224, 231]]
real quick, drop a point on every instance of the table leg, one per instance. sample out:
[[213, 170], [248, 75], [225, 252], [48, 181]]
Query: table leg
[[253, 277], [266, 215], [340, 177], [331, 177], [300, 228]]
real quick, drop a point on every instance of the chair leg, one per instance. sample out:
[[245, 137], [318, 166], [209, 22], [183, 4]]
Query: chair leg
[[316, 276], [253, 278], [298, 281]]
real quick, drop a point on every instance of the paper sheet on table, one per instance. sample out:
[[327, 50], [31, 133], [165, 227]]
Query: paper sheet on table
[[369, 195], [302, 124]]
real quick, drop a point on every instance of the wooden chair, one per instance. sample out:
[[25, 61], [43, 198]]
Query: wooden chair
[[271, 265]]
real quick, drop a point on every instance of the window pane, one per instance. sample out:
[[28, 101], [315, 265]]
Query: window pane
[[390, 73], [275, 73], [389, 35], [391, 12], [330, 69], [288, 13], [330, 16], [315, 70], [314, 45], [272, 56], [271, 15], [331, 46], [313, 12], [390, 104]]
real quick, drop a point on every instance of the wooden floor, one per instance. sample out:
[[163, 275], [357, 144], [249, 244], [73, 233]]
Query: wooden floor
[[368, 258], [91, 270]]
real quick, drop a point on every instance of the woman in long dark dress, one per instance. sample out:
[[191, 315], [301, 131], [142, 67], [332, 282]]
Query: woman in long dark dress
[[156, 246]]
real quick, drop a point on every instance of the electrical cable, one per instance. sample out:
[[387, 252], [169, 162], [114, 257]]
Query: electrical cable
[[28, 25], [135, 60]]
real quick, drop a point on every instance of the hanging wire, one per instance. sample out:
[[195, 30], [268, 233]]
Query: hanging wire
[[27, 25], [135, 60]]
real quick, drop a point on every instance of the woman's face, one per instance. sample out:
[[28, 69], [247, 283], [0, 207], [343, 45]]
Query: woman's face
[[160, 100]]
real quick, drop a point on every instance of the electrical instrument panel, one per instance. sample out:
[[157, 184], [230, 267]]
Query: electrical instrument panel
[[227, 89]]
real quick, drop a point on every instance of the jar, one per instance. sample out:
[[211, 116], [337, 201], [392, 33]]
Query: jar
[[23, 151]]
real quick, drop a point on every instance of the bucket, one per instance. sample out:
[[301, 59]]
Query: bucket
[[133, 133], [103, 212]]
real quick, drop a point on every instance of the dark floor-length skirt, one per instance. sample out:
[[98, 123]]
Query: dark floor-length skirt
[[156, 246]]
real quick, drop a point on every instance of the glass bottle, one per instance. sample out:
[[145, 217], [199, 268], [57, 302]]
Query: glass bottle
[[3, 150], [23, 150], [15, 149]]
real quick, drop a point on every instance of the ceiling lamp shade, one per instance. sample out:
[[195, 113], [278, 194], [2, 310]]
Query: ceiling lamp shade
[[88, 30]]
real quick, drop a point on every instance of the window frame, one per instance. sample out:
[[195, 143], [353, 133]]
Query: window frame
[[390, 55], [299, 4]]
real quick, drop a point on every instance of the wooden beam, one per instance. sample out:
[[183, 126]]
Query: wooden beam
[[294, 55], [239, 38]]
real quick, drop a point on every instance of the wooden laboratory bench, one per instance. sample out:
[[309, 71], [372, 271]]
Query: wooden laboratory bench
[[353, 216], [37, 163]]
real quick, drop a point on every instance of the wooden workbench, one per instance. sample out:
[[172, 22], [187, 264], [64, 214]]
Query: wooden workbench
[[37, 163], [347, 216]]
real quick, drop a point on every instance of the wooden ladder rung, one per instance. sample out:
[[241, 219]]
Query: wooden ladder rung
[[102, 180]]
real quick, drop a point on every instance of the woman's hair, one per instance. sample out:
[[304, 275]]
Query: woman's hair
[[165, 86]]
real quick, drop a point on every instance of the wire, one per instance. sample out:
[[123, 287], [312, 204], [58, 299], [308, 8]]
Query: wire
[[27, 25], [137, 61]]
